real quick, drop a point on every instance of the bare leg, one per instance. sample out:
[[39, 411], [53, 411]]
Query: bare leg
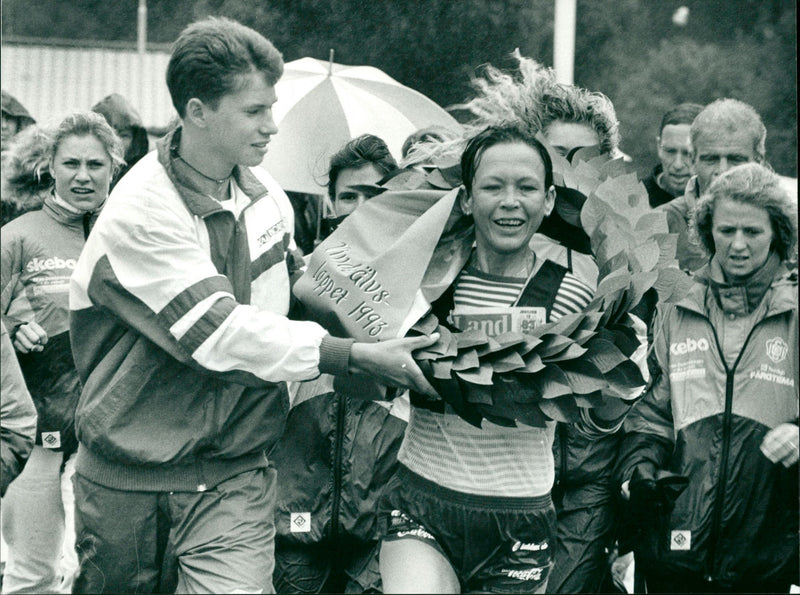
[[412, 566]]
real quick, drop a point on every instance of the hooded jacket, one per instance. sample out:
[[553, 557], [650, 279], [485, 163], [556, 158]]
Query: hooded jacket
[[179, 330], [12, 107], [39, 252], [26, 179], [120, 115], [705, 418]]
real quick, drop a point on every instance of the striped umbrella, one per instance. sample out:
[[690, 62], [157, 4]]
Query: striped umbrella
[[322, 105]]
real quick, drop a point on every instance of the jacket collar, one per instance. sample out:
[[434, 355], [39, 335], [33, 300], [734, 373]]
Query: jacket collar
[[692, 192], [743, 298], [192, 190], [63, 212]]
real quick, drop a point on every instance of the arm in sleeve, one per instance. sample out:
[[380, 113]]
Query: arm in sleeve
[[146, 267], [17, 415], [609, 417], [649, 435], [10, 269]]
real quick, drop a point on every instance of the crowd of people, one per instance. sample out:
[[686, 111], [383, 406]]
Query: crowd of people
[[175, 420]]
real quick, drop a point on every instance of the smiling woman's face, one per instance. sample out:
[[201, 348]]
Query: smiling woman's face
[[508, 199], [81, 168]]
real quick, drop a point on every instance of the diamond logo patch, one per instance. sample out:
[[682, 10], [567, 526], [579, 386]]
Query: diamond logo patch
[[51, 439], [300, 522], [680, 540]]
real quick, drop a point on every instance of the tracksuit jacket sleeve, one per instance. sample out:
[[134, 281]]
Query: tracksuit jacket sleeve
[[591, 425], [649, 429], [147, 264], [17, 415], [10, 265]]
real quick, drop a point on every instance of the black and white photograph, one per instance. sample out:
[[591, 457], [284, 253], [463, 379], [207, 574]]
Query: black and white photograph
[[399, 296]]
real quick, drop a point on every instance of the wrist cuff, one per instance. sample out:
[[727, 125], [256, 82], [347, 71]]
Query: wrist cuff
[[334, 355]]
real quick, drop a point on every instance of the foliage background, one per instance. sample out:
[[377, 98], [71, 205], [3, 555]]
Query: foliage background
[[628, 49]]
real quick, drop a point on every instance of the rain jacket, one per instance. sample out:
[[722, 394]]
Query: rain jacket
[[584, 495], [17, 415], [705, 418], [337, 454], [691, 256], [119, 113], [583, 491], [39, 252], [179, 330]]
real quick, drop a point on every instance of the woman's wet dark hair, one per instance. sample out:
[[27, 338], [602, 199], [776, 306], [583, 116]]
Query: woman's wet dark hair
[[471, 157]]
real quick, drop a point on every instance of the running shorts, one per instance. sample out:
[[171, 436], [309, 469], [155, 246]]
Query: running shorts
[[494, 544]]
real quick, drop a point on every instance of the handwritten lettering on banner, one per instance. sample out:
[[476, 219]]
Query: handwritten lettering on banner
[[364, 300], [363, 281]]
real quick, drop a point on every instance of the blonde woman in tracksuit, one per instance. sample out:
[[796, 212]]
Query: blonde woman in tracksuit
[[39, 252]]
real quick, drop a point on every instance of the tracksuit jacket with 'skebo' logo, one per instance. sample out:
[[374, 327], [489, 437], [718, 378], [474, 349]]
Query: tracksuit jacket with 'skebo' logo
[[705, 418], [39, 252]]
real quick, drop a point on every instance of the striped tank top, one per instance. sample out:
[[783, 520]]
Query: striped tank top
[[492, 460]]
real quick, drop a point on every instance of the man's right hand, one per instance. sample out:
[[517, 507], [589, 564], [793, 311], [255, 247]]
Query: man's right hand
[[392, 362]]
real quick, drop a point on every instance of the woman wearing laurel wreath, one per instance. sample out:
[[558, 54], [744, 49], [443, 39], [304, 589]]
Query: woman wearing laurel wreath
[[371, 281], [471, 508], [709, 457], [570, 119]]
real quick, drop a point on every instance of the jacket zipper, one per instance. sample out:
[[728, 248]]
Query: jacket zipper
[[727, 421], [562, 439], [86, 220], [338, 444]]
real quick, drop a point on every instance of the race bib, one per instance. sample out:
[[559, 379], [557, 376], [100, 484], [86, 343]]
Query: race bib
[[498, 320]]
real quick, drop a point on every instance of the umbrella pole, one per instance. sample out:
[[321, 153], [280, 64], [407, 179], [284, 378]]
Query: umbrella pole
[[330, 62], [320, 206]]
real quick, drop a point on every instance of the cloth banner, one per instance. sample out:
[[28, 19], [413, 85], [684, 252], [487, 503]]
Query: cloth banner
[[376, 275]]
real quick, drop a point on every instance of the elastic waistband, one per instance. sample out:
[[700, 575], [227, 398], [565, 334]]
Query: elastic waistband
[[197, 476], [419, 483]]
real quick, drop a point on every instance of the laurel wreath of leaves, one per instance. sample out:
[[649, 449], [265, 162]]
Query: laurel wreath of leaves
[[583, 358]]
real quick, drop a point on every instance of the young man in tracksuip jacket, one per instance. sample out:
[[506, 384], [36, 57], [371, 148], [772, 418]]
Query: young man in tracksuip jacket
[[180, 336]]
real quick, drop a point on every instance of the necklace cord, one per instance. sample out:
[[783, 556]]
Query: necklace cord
[[197, 171]]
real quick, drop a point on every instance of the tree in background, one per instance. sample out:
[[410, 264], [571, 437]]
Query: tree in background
[[628, 49], [743, 49]]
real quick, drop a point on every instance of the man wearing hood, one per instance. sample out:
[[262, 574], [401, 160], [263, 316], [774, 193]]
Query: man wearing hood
[[26, 178], [121, 115], [15, 118]]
